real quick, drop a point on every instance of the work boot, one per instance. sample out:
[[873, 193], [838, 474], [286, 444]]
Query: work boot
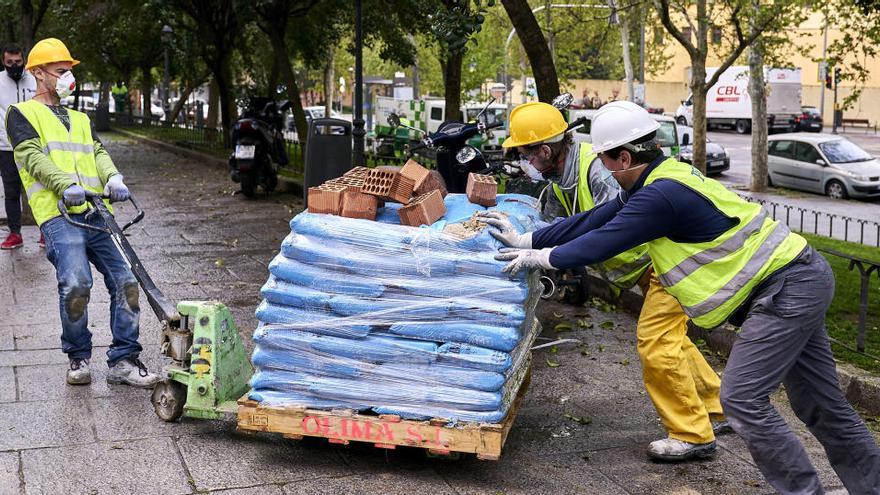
[[722, 427], [670, 449], [13, 241], [42, 242], [131, 371], [79, 373]]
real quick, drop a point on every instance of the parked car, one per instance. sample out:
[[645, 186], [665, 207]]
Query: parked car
[[809, 120], [824, 164], [717, 158]]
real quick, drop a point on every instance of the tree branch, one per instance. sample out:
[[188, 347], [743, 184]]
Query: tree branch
[[662, 7]]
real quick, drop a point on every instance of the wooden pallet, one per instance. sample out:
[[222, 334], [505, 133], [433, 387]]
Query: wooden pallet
[[384, 431]]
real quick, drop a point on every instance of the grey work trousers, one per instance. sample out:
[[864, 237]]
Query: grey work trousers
[[783, 340]]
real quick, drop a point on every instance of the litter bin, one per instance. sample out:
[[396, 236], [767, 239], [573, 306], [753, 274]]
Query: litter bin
[[328, 152]]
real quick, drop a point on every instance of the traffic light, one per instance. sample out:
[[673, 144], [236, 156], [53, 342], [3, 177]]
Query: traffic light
[[828, 81], [836, 75]]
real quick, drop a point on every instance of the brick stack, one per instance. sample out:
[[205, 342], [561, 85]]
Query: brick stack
[[361, 191]]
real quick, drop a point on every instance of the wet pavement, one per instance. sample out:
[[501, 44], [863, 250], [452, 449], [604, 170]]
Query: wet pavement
[[200, 242]]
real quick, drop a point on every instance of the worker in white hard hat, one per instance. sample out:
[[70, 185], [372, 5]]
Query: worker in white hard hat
[[725, 259], [681, 384]]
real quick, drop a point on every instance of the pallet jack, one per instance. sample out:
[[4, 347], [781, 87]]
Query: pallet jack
[[210, 368]]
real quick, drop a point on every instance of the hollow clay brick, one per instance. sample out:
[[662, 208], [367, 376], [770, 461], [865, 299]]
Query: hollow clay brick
[[387, 184], [352, 183], [326, 198], [434, 182], [359, 205], [356, 172], [423, 210], [481, 189]]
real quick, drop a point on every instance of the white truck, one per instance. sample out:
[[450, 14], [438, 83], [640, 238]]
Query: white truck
[[728, 103], [428, 114]]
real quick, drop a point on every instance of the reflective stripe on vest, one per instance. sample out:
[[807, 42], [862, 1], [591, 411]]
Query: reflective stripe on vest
[[72, 151], [625, 269], [712, 279]]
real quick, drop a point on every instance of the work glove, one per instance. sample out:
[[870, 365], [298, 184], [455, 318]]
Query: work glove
[[506, 233], [74, 195], [116, 189], [524, 259]]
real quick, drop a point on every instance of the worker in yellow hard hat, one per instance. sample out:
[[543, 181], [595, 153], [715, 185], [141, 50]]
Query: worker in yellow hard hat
[[681, 384], [61, 158]]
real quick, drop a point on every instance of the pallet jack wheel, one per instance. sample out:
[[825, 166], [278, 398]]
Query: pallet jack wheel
[[168, 400]]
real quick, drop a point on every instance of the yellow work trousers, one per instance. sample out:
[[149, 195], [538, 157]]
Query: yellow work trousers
[[681, 384]]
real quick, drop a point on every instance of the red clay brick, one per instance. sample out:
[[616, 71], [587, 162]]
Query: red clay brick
[[326, 198], [359, 205], [423, 210], [386, 183], [352, 183], [481, 189], [434, 182], [356, 172]]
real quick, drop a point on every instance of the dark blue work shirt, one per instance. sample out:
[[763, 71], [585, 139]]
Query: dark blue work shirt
[[664, 208]]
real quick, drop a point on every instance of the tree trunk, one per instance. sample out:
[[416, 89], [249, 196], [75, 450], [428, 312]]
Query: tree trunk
[[415, 71], [279, 47], [147, 91], [699, 90], [627, 56], [757, 93], [27, 25], [329, 86], [535, 45], [452, 84], [223, 76], [213, 105], [178, 107]]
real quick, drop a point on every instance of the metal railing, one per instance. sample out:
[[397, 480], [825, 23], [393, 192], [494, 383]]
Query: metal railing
[[822, 223], [211, 139]]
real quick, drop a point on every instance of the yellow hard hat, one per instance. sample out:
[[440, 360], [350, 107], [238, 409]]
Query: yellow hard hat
[[48, 51], [532, 123]]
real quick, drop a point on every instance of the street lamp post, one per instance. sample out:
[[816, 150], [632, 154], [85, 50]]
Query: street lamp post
[[358, 131], [166, 38]]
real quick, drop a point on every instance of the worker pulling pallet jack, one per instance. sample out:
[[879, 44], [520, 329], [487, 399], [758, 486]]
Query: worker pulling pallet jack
[[724, 259], [63, 166]]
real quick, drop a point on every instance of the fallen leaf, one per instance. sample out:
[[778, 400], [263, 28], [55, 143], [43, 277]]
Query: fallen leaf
[[601, 348], [553, 350], [195, 282], [558, 315], [607, 324], [625, 362], [220, 263], [563, 327], [578, 419], [552, 364]]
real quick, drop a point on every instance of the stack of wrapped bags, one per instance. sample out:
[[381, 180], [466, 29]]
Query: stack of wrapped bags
[[383, 317]]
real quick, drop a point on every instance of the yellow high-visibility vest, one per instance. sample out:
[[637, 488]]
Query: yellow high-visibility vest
[[71, 151], [712, 279]]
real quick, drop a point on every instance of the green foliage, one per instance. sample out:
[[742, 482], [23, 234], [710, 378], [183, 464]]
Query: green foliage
[[859, 21]]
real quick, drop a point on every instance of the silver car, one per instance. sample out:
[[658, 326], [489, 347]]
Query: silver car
[[823, 164]]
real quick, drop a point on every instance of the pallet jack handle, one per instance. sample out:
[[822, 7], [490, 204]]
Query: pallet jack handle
[[164, 309]]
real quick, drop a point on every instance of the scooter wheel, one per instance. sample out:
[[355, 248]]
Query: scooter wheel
[[248, 185], [168, 400]]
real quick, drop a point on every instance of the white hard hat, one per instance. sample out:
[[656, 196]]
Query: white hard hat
[[618, 123]]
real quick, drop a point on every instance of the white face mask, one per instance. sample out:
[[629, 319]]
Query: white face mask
[[530, 170], [65, 85]]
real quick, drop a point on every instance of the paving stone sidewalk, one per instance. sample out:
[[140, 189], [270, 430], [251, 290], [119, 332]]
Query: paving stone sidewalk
[[200, 242]]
